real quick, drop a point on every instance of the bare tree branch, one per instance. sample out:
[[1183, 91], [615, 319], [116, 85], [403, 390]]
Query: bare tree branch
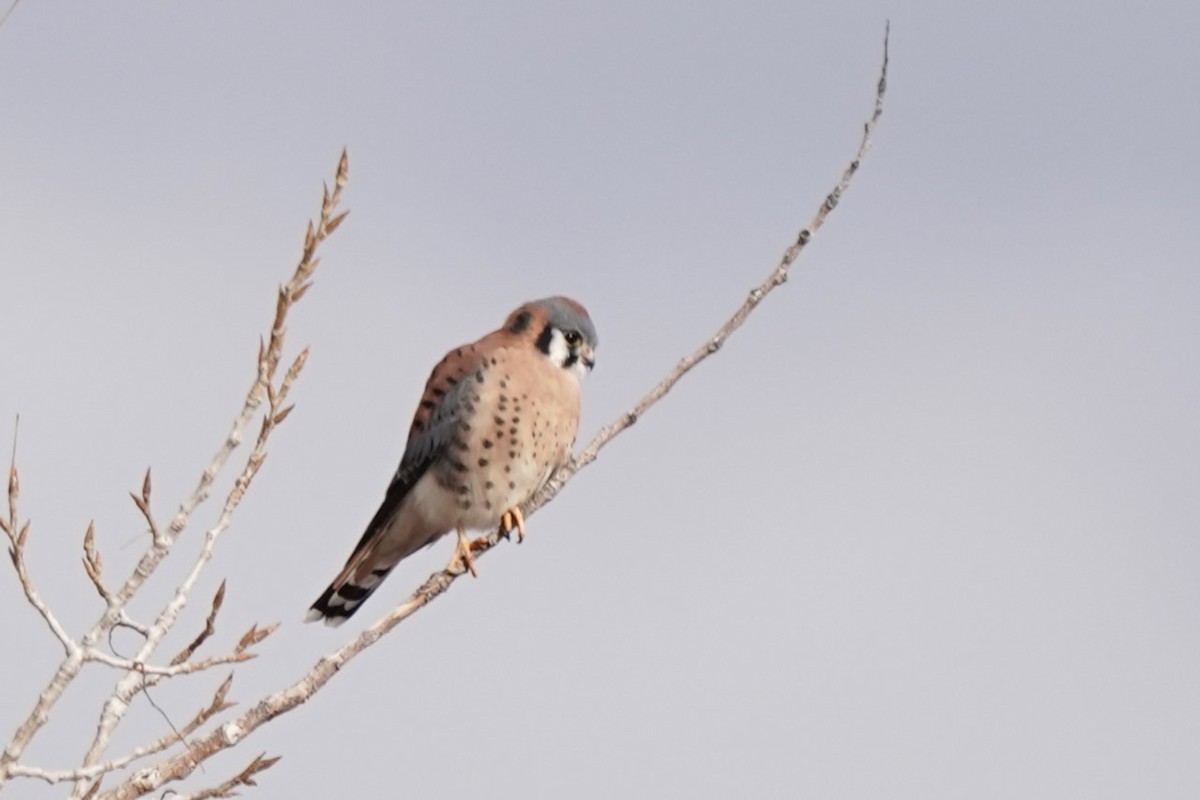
[[17, 534], [182, 764], [139, 674], [210, 627], [244, 778], [264, 385], [93, 773]]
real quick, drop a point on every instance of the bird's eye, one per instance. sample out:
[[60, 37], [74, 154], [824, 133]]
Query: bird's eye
[[573, 338]]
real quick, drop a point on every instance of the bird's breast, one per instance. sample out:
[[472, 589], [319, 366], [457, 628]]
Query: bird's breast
[[518, 424]]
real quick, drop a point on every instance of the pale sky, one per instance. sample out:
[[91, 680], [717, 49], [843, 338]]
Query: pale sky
[[929, 526]]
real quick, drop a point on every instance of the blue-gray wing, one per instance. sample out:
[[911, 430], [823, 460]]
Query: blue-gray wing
[[435, 430]]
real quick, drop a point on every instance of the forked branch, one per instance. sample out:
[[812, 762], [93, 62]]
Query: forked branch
[[138, 674]]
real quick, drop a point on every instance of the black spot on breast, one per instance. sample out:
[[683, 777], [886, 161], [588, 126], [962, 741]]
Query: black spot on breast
[[483, 462], [498, 420], [487, 444], [451, 380], [418, 425], [512, 485], [521, 323], [458, 443], [437, 391], [479, 376], [489, 485], [430, 404], [464, 489]]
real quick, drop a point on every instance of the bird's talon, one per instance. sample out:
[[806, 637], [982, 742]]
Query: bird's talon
[[513, 518], [463, 553]]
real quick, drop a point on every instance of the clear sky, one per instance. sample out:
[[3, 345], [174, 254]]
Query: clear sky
[[929, 527]]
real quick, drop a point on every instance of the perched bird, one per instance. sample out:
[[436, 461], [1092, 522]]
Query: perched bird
[[496, 421]]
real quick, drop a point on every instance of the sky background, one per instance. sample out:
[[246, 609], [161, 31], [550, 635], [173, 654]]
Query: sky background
[[928, 527]]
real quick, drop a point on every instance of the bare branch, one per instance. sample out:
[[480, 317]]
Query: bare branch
[[139, 674], [269, 356], [777, 277], [142, 502], [96, 772], [92, 563], [17, 534], [210, 627], [254, 636], [231, 733], [170, 671], [244, 778]]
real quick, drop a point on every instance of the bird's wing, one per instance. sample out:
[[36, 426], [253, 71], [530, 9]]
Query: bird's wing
[[434, 428]]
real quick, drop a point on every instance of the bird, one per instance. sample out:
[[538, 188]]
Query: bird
[[496, 421]]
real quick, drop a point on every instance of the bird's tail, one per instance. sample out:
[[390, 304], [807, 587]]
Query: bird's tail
[[342, 598], [349, 589], [388, 539]]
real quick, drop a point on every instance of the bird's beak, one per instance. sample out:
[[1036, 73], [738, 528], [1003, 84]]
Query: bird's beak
[[588, 356]]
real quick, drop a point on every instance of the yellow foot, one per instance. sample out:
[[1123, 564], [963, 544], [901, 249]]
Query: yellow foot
[[513, 518], [462, 553]]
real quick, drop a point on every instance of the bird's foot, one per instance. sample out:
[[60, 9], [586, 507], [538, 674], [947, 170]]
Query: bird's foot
[[462, 553], [510, 519]]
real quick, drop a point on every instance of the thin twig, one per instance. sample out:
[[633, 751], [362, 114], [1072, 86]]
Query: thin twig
[[92, 563], [17, 534], [215, 706], [210, 627], [170, 671], [246, 777]]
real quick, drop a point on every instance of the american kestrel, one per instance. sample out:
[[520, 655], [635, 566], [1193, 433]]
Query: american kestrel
[[496, 421]]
